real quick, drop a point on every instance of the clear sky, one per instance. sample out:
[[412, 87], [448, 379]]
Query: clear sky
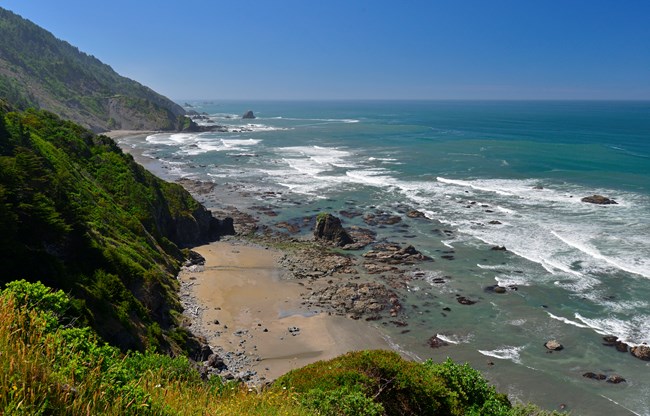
[[373, 49]]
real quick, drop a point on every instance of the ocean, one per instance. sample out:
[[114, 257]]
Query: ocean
[[484, 174]]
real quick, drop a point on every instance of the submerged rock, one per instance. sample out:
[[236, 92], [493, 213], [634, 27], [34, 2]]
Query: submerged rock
[[599, 200], [465, 301]]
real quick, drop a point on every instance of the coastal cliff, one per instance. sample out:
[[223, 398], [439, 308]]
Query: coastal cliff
[[79, 215], [40, 71]]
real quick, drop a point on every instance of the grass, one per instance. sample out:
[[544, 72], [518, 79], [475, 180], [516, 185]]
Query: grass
[[65, 371], [47, 368]]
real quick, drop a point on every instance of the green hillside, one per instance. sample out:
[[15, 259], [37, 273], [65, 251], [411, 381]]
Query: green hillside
[[38, 70], [51, 368], [79, 215]]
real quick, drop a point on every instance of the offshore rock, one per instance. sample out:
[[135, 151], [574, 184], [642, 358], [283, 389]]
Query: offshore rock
[[615, 379], [599, 200], [553, 345], [248, 115], [435, 342], [394, 254], [612, 341], [329, 228], [415, 214], [594, 376], [641, 352]]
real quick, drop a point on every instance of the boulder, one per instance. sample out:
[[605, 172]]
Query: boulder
[[329, 228], [594, 376], [194, 259], [465, 301], [553, 345], [435, 342], [612, 341], [415, 214], [641, 352], [615, 379], [248, 115], [215, 361], [599, 200]]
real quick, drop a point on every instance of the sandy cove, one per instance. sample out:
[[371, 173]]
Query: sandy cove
[[241, 287], [253, 319]]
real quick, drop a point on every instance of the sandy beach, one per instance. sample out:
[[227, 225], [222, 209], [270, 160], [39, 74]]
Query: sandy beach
[[254, 319]]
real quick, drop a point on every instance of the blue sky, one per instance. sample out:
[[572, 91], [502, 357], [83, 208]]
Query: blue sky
[[408, 49]]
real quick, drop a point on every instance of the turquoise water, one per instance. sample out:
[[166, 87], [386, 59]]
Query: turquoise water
[[581, 271]]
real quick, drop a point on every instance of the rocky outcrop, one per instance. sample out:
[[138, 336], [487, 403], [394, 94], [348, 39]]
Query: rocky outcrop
[[594, 376], [553, 345], [613, 379], [248, 115], [329, 228], [198, 228], [641, 352], [464, 300], [599, 200], [394, 254], [356, 299], [415, 214], [436, 342], [612, 341], [316, 263]]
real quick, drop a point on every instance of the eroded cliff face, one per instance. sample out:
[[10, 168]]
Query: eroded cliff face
[[198, 228], [80, 215], [129, 113]]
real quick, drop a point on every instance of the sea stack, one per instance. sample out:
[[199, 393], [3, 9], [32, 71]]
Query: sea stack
[[248, 114]]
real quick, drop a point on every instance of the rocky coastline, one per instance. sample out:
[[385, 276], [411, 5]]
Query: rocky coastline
[[344, 273]]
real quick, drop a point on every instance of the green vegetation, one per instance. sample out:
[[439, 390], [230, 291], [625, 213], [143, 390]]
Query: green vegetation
[[39, 70], [394, 386], [80, 215], [55, 369]]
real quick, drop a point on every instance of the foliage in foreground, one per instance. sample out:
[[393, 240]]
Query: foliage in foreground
[[54, 369]]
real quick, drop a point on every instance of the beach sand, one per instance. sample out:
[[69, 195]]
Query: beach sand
[[241, 289]]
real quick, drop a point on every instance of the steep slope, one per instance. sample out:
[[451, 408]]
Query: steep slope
[[39, 70], [78, 214]]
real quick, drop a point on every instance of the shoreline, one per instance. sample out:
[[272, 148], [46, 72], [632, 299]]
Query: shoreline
[[122, 134], [254, 320], [266, 324], [388, 267]]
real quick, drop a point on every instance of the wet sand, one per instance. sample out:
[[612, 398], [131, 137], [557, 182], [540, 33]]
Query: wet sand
[[243, 306]]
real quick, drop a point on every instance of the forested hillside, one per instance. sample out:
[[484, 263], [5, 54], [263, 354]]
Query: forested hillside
[[38, 70], [79, 215]]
